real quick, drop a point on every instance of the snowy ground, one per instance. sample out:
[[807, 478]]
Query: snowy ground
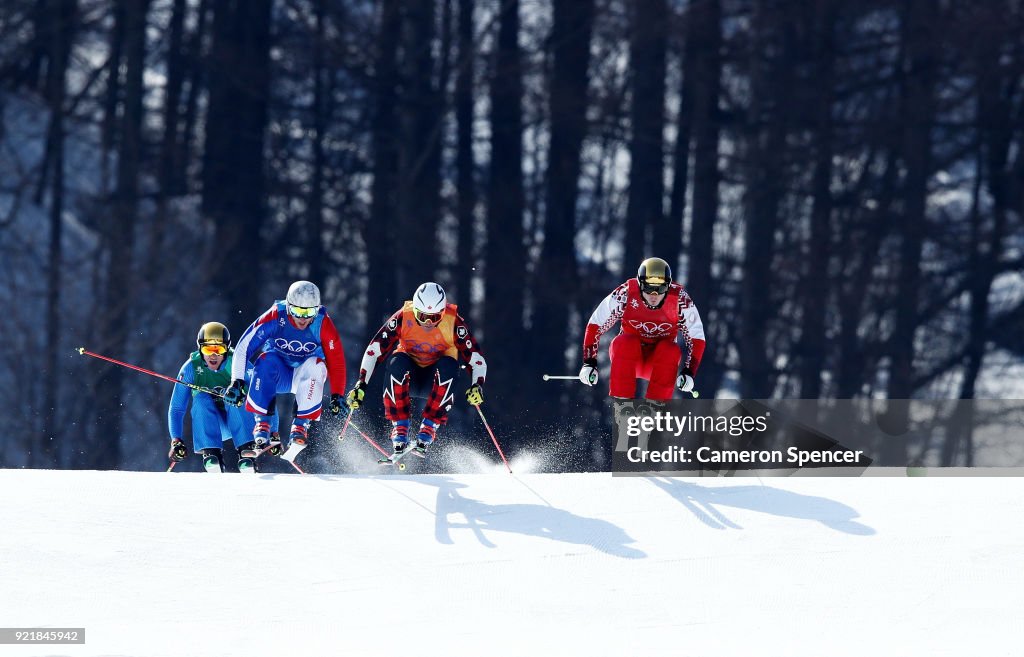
[[492, 564]]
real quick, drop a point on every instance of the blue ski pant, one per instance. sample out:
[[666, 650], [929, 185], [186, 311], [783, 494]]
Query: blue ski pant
[[212, 424]]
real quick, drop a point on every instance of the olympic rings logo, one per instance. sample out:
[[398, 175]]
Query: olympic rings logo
[[295, 346], [425, 348], [651, 328]]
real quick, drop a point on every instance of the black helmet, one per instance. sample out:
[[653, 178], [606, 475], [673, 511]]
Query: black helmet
[[212, 333], [654, 276]]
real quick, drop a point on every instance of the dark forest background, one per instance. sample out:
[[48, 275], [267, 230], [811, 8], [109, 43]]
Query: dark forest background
[[839, 185]]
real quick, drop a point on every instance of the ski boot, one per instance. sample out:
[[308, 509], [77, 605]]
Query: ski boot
[[212, 461], [399, 443], [275, 444], [399, 436], [428, 429], [247, 457], [264, 440], [297, 439]]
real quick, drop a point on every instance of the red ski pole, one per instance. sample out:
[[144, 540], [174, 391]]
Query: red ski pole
[[377, 447], [495, 440], [86, 352], [344, 427]]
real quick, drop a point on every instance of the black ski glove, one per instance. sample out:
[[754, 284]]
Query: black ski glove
[[178, 452], [338, 405], [236, 393]]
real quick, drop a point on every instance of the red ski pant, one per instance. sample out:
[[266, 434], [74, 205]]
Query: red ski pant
[[657, 362]]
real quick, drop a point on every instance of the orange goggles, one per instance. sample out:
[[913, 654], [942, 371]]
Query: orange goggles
[[213, 349], [426, 318], [298, 312]]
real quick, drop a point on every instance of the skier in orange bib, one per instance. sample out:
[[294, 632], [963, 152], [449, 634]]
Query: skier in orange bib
[[426, 337]]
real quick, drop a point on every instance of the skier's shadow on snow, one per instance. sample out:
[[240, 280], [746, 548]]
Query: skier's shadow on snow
[[541, 520], [705, 502]]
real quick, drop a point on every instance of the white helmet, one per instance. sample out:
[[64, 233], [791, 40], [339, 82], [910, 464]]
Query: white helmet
[[429, 302], [303, 296]]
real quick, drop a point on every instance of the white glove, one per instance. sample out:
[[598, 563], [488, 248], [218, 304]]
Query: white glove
[[684, 382], [588, 375]]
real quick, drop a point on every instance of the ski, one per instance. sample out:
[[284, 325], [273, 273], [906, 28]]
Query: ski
[[274, 447], [294, 449], [213, 464], [396, 459]]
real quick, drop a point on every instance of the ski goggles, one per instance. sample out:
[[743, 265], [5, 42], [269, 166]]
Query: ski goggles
[[426, 318], [213, 349], [298, 312], [654, 286]]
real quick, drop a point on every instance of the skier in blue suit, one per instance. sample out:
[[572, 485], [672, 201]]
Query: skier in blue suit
[[213, 421]]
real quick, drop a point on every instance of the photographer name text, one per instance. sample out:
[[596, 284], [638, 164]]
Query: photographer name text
[[792, 455]]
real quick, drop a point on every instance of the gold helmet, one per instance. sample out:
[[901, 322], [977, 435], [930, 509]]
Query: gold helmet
[[654, 276], [213, 333]]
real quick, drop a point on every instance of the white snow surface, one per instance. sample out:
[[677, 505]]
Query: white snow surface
[[155, 564]]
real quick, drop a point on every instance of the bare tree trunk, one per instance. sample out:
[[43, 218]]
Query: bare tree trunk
[[505, 265], [169, 145], [63, 15], [383, 295], [29, 72], [321, 117], [169, 148], [121, 277], [860, 248], [645, 209], [234, 181], [919, 23], [567, 98], [465, 165], [113, 92], [706, 33], [195, 71], [763, 195], [420, 149], [995, 129], [668, 234], [813, 339]]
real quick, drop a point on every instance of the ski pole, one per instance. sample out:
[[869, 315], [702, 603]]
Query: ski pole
[[367, 438], [573, 377], [85, 352], [494, 439], [171, 466], [348, 418]]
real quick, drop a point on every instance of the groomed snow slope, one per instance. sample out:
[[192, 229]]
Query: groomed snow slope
[[545, 564]]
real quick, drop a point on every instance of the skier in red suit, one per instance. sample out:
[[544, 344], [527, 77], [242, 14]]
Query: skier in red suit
[[656, 315]]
